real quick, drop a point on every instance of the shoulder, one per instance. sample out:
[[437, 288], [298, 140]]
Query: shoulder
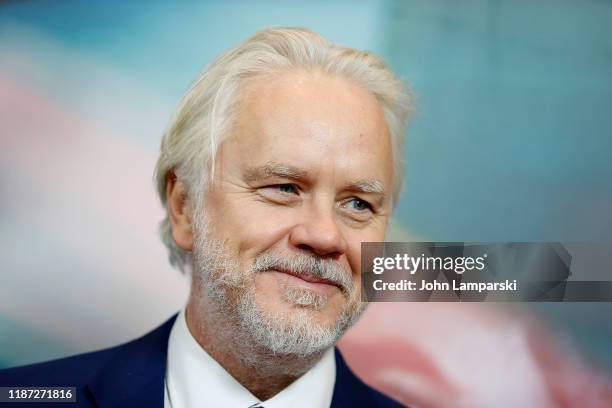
[[75, 370], [350, 391], [80, 369]]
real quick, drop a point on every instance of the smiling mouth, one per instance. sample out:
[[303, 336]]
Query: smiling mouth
[[309, 279]]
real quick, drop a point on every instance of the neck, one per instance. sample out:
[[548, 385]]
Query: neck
[[260, 371]]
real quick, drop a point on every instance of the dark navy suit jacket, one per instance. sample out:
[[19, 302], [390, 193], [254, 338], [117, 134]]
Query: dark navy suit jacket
[[132, 375]]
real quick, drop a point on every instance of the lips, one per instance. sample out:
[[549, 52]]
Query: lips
[[309, 278]]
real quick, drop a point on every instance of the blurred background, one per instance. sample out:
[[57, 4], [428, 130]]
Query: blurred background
[[511, 141]]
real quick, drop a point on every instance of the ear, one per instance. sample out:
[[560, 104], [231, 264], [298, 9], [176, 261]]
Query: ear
[[178, 213]]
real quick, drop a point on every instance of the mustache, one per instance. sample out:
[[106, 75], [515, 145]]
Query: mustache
[[302, 264]]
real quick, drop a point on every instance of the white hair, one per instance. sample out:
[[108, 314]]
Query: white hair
[[205, 114]]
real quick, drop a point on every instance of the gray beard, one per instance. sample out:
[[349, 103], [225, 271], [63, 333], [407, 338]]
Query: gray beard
[[229, 303]]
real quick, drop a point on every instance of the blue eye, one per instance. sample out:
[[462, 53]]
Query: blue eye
[[360, 205], [287, 188]]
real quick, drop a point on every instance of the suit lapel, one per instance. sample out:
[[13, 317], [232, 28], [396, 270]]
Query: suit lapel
[[349, 391], [134, 374]]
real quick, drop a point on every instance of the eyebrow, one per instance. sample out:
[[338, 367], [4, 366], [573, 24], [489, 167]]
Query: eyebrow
[[274, 169], [369, 187]]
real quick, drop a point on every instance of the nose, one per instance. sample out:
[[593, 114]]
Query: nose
[[319, 233]]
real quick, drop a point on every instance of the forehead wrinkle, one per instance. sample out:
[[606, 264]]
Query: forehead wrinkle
[[274, 169]]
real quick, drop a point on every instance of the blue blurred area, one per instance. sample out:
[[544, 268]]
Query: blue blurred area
[[511, 140], [167, 44], [33, 345]]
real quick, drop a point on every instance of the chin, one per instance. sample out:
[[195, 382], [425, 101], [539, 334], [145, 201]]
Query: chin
[[325, 317]]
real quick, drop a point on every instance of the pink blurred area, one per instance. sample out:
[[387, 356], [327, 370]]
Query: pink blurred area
[[469, 355], [79, 225]]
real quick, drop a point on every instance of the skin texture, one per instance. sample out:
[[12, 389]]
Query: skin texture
[[298, 174]]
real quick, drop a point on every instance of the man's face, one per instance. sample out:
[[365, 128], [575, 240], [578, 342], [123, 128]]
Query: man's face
[[304, 178]]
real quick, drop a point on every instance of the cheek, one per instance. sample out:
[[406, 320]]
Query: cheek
[[353, 256], [353, 253], [255, 229], [266, 290]]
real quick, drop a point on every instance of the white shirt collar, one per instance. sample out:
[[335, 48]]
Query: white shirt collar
[[195, 379]]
